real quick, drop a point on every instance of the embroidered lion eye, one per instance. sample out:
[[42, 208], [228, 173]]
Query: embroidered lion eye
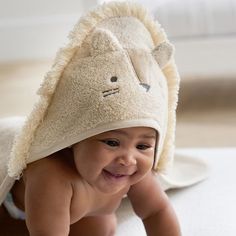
[[114, 79]]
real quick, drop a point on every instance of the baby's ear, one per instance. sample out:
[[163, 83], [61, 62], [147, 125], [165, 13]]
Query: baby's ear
[[163, 53], [104, 41]]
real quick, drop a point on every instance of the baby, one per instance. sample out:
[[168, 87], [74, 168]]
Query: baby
[[76, 191], [102, 129]]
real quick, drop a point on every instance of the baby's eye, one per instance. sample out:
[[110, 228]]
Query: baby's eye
[[112, 143], [143, 146]]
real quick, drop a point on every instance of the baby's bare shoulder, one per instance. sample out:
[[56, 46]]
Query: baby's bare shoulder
[[48, 192], [49, 178], [54, 169]]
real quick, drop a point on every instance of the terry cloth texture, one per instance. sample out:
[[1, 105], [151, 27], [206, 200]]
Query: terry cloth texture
[[9, 127], [117, 71]]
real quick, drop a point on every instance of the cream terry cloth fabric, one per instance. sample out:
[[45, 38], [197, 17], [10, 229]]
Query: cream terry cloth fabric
[[117, 71], [9, 127]]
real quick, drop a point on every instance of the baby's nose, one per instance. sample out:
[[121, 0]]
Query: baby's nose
[[127, 159]]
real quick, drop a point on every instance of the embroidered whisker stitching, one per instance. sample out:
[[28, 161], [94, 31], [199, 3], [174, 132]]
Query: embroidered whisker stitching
[[110, 92]]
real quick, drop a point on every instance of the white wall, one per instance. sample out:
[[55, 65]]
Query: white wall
[[35, 29], [32, 29]]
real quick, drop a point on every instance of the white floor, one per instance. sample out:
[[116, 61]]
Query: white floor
[[205, 209]]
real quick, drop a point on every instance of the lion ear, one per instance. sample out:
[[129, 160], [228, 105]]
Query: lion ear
[[104, 41], [163, 53]]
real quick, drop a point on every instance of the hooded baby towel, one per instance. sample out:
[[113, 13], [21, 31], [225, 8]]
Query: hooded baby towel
[[117, 71]]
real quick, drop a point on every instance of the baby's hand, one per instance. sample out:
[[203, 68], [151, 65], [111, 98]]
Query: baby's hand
[[152, 205]]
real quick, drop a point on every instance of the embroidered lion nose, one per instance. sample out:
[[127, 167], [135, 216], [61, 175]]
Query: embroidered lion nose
[[146, 86]]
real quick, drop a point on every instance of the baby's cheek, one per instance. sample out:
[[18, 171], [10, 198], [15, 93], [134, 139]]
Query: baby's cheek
[[143, 169], [146, 165]]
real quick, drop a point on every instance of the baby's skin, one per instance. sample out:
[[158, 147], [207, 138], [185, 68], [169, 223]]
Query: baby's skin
[[76, 191]]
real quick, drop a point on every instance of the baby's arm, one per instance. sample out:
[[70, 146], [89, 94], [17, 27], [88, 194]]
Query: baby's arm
[[151, 204], [47, 202]]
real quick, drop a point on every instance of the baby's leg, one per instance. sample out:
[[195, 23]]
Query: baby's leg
[[95, 226]]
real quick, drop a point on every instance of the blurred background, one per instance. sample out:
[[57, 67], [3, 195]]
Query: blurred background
[[203, 32]]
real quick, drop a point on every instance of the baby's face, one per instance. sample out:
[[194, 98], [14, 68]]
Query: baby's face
[[117, 159]]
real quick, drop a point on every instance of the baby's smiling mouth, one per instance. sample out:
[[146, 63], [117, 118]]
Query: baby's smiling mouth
[[116, 175], [113, 175]]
